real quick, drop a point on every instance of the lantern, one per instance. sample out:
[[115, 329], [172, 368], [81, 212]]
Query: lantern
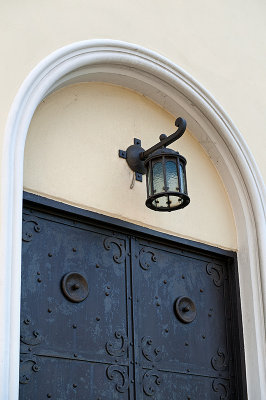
[[165, 171]]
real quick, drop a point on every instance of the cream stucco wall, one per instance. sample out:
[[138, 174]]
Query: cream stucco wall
[[71, 155], [220, 43]]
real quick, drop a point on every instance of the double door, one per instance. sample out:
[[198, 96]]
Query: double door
[[108, 315]]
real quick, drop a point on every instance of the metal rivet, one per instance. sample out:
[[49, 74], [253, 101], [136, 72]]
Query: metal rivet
[[158, 304], [165, 282], [183, 277], [156, 297], [129, 298], [129, 254], [186, 343], [188, 370], [106, 294], [74, 385], [132, 380], [75, 355], [29, 348], [97, 266], [49, 310], [166, 330], [49, 254], [131, 343], [74, 249], [76, 286], [209, 315], [116, 360], [201, 290], [203, 336], [21, 360], [108, 287], [49, 395], [39, 280], [26, 321], [98, 318], [38, 273], [74, 326]]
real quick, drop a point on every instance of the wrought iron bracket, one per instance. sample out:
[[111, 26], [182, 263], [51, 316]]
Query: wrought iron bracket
[[136, 155]]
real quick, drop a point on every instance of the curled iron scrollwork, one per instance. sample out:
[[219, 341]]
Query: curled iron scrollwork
[[28, 228], [151, 380], [27, 366], [111, 347], [150, 352], [32, 340], [118, 258], [219, 362], [119, 375], [217, 273], [222, 388], [144, 255]]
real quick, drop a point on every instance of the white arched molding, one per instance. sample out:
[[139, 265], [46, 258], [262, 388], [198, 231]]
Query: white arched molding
[[168, 85]]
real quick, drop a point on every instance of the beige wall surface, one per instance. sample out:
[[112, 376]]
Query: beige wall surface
[[71, 155], [220, 43]]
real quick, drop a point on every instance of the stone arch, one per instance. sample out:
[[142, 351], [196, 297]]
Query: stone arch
[[168, 85]]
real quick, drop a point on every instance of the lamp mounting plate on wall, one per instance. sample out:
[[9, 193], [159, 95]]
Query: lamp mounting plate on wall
[[132, 156]]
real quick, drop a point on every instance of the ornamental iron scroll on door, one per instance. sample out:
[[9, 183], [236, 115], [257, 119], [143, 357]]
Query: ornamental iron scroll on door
[[139, 318]]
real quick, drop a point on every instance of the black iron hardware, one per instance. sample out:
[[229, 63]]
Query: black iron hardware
[[30, 225], [75, 287], [27, 365], [119, 375], [219, 362], [185, 309], [165, 170], [127, 344], [145, 255], [150, 352], [151, 379], [115, 350], [107, 245], [217, 273]]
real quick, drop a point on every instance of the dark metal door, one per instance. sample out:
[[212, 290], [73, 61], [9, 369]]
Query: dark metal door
[[105, 315]]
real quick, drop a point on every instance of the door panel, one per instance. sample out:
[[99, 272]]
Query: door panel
[[179, 351], [60, 332], [107, 315]]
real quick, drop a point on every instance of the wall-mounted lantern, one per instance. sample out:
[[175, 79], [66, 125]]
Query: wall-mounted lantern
[[165, 170]]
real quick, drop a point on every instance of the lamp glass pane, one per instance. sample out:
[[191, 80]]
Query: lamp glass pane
[[182, 178], [158, 180], [149, 179], [171, 176]]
